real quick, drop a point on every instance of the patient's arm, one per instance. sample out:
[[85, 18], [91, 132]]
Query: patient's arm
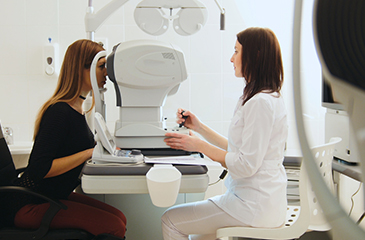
[[62, 165]]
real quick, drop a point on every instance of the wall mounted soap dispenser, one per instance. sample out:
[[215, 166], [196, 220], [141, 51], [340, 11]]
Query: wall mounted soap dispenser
[[50, 58]]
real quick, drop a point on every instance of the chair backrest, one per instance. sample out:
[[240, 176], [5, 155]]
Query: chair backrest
[[323, 155], [310, 214], [300, 219], [7, 168]]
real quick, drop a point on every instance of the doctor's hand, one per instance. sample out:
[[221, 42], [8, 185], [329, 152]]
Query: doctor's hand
[[192, 122], [190, 143]]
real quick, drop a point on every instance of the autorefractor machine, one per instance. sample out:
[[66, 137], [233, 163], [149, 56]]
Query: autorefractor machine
[[144, 73]]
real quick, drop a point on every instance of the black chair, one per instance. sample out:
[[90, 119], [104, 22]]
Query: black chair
[[7, 175]]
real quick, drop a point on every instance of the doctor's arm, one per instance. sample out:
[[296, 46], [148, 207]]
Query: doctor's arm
[[195, 144], [213, 137], [193, 123], [254, 140]]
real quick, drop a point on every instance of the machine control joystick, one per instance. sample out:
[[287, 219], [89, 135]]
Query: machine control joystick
[[184, 117]]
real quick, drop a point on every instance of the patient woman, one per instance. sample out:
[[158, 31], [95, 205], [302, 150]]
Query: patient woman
[[62, 144], [253, 153]]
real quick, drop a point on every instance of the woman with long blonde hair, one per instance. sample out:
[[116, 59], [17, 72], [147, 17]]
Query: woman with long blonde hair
[[62, 144]]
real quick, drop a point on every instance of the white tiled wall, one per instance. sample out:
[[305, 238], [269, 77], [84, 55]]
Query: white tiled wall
[[211, 90]]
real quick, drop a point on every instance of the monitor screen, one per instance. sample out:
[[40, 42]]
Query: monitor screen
[[328, 99]]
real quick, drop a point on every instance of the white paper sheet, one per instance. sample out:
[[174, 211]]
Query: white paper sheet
[[184, 160]]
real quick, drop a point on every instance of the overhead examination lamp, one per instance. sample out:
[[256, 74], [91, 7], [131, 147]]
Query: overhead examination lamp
[[155, 16], [338, 34]]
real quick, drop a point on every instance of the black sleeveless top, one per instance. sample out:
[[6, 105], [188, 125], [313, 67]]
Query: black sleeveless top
[[63, 132]]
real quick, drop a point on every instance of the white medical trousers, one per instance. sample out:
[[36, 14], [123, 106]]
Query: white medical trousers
[[200, 220]]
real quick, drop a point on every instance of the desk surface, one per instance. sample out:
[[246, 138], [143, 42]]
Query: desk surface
[[139, 169], [348, 170], [295, 159], [129, 180]]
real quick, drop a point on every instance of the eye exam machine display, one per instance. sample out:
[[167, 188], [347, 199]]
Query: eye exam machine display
[[106, 149]]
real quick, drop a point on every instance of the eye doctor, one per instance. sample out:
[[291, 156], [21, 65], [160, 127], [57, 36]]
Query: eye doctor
[[62, 144], [253, 152]]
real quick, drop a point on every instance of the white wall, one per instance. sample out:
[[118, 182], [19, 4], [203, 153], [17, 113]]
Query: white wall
[[211, 89], [278, 15]]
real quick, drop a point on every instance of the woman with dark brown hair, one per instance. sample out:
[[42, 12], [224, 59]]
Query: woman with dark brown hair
[[253, 152], [62, 144]]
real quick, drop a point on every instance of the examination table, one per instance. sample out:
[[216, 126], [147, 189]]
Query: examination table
[[124, 186]]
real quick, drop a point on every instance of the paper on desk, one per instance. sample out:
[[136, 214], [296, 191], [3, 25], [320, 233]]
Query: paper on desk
[[184, 160]]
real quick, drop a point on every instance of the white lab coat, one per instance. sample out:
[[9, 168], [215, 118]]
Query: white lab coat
[[256, 184]]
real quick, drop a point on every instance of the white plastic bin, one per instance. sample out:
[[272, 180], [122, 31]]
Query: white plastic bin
[[163, 182]]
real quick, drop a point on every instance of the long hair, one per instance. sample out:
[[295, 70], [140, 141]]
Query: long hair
[[79, 56], [262, 65]]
